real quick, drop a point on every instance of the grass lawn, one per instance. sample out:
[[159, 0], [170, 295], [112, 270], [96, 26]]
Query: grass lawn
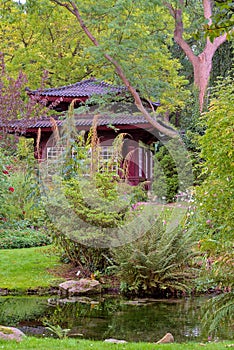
[[27, 268], [56, 344]]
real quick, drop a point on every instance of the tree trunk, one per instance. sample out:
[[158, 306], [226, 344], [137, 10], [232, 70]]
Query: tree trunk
[[202, 64], [202, 69]]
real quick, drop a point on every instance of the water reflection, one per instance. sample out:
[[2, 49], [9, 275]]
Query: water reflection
[[110, 317]]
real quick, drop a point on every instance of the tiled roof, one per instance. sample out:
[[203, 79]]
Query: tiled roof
[[81, 120], [84, 88]]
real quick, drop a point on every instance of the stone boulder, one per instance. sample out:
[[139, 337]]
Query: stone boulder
[[168, 338], [11, 333], [82, 286], [115, 341]]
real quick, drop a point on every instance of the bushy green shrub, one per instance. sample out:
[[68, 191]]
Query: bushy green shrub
[[220, 309], [96, 208], [158, 263], [165, 184], [213, 219], [89, 258], [22, 238], [173, 174], [19, 193], [214, 198]]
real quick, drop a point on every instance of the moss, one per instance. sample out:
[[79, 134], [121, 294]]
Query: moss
[[6, 330]]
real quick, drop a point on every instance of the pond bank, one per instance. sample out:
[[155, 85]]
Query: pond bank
[[38, 271]]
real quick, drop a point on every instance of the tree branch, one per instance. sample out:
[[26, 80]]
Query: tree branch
[[207, 9], [120, 72], [178, 32], [211, 47], [63, 4]]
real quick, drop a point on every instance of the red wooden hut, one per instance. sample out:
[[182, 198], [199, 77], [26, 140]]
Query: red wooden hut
[[140, 135]]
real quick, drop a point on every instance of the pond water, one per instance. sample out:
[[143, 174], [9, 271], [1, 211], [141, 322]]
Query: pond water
[[110, 317]]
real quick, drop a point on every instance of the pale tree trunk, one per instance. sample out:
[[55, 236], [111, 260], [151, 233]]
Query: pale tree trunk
[[72, 7], [202, 64]]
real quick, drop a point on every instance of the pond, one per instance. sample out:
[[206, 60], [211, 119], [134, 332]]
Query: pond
[[110, 317]]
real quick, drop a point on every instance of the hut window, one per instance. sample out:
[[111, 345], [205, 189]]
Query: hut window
[[54, 153], [107, 159]]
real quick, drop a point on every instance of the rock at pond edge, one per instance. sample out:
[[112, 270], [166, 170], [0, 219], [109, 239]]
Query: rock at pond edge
[[115, 341], [168, 338], [82, 286], [11, 333]]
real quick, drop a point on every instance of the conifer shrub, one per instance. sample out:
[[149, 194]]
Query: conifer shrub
[[89, 201], [96, 210]]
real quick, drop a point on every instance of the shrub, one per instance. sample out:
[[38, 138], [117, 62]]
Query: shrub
[[173, 173], [220, 309], [158, 263], [19, 193], [22, 238], [96, 209], [88, 258], [215, 196], [165, 183]]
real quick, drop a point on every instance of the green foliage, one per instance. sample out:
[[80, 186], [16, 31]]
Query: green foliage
[[222, 61], [60, 332], [89, 258], [97, 207], [220, 309], [172, 172], [222, 20], [20, 202], [138, 193], [192, 129], [213, 222], [97, 202], [4, 183], [165, 184], [22, 238], [135, 36], [158, 263], [88, 200], [215, 196], [54, 43], [25, 150]]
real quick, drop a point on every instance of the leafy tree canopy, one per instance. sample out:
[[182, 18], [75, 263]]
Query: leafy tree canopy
[[136, 37], [53, 43]]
